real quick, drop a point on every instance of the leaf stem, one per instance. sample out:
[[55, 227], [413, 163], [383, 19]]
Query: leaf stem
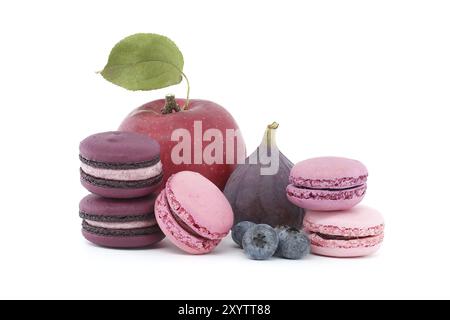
[[186, 104]]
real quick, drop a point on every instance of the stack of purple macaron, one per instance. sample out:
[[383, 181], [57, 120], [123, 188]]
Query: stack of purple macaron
[[330, 189], [122, 170]]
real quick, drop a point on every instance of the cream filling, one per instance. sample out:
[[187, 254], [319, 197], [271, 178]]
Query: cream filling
[[123, 225], [124, 175]]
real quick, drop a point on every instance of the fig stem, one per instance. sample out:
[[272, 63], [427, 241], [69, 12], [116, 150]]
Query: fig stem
[[171, 105], [270, 133]]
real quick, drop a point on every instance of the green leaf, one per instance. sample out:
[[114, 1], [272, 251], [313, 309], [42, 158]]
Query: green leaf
[[144, 61]]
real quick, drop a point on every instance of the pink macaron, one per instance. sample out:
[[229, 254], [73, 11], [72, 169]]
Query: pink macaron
[[327, 183], [193, 213], [356, 232]]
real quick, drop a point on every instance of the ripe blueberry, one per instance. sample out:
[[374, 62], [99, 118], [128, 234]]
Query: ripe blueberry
[[260, 242]]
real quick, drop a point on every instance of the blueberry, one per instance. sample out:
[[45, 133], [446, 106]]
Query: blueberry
[[260, 242], [239, 230], [294, 244]]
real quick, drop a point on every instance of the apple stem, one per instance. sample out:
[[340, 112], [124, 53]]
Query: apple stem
[[171, 105]]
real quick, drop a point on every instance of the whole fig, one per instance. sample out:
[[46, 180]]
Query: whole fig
[[257, 188]]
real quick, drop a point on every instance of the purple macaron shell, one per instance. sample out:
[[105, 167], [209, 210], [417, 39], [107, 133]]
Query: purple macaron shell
[[119, 147], [124, 242], [120, 193], [100, 206]]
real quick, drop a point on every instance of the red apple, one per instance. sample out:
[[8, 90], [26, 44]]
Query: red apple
[[201, 151]]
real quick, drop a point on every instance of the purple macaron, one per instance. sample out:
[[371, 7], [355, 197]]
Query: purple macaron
[[327, 183], [120, 164], [119, 223]]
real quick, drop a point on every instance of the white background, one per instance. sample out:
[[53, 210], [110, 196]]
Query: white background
[[363, 79]]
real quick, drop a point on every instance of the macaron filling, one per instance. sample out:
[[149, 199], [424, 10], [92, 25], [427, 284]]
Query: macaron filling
[[318, 240], [119, 225], [119, 232], [331, 184], [302, 192], [122, 225], [122, 184], [123, 174], [335, 237], [183, 224]]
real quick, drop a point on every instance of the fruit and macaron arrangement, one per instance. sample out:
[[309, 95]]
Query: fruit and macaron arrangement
[[142, 193]]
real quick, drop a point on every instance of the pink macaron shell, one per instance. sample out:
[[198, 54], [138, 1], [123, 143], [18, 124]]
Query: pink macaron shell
[[125, 241], [180, 237], [344, 252], [325, 200], [328, 172], [359, 217], [199, 204]]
